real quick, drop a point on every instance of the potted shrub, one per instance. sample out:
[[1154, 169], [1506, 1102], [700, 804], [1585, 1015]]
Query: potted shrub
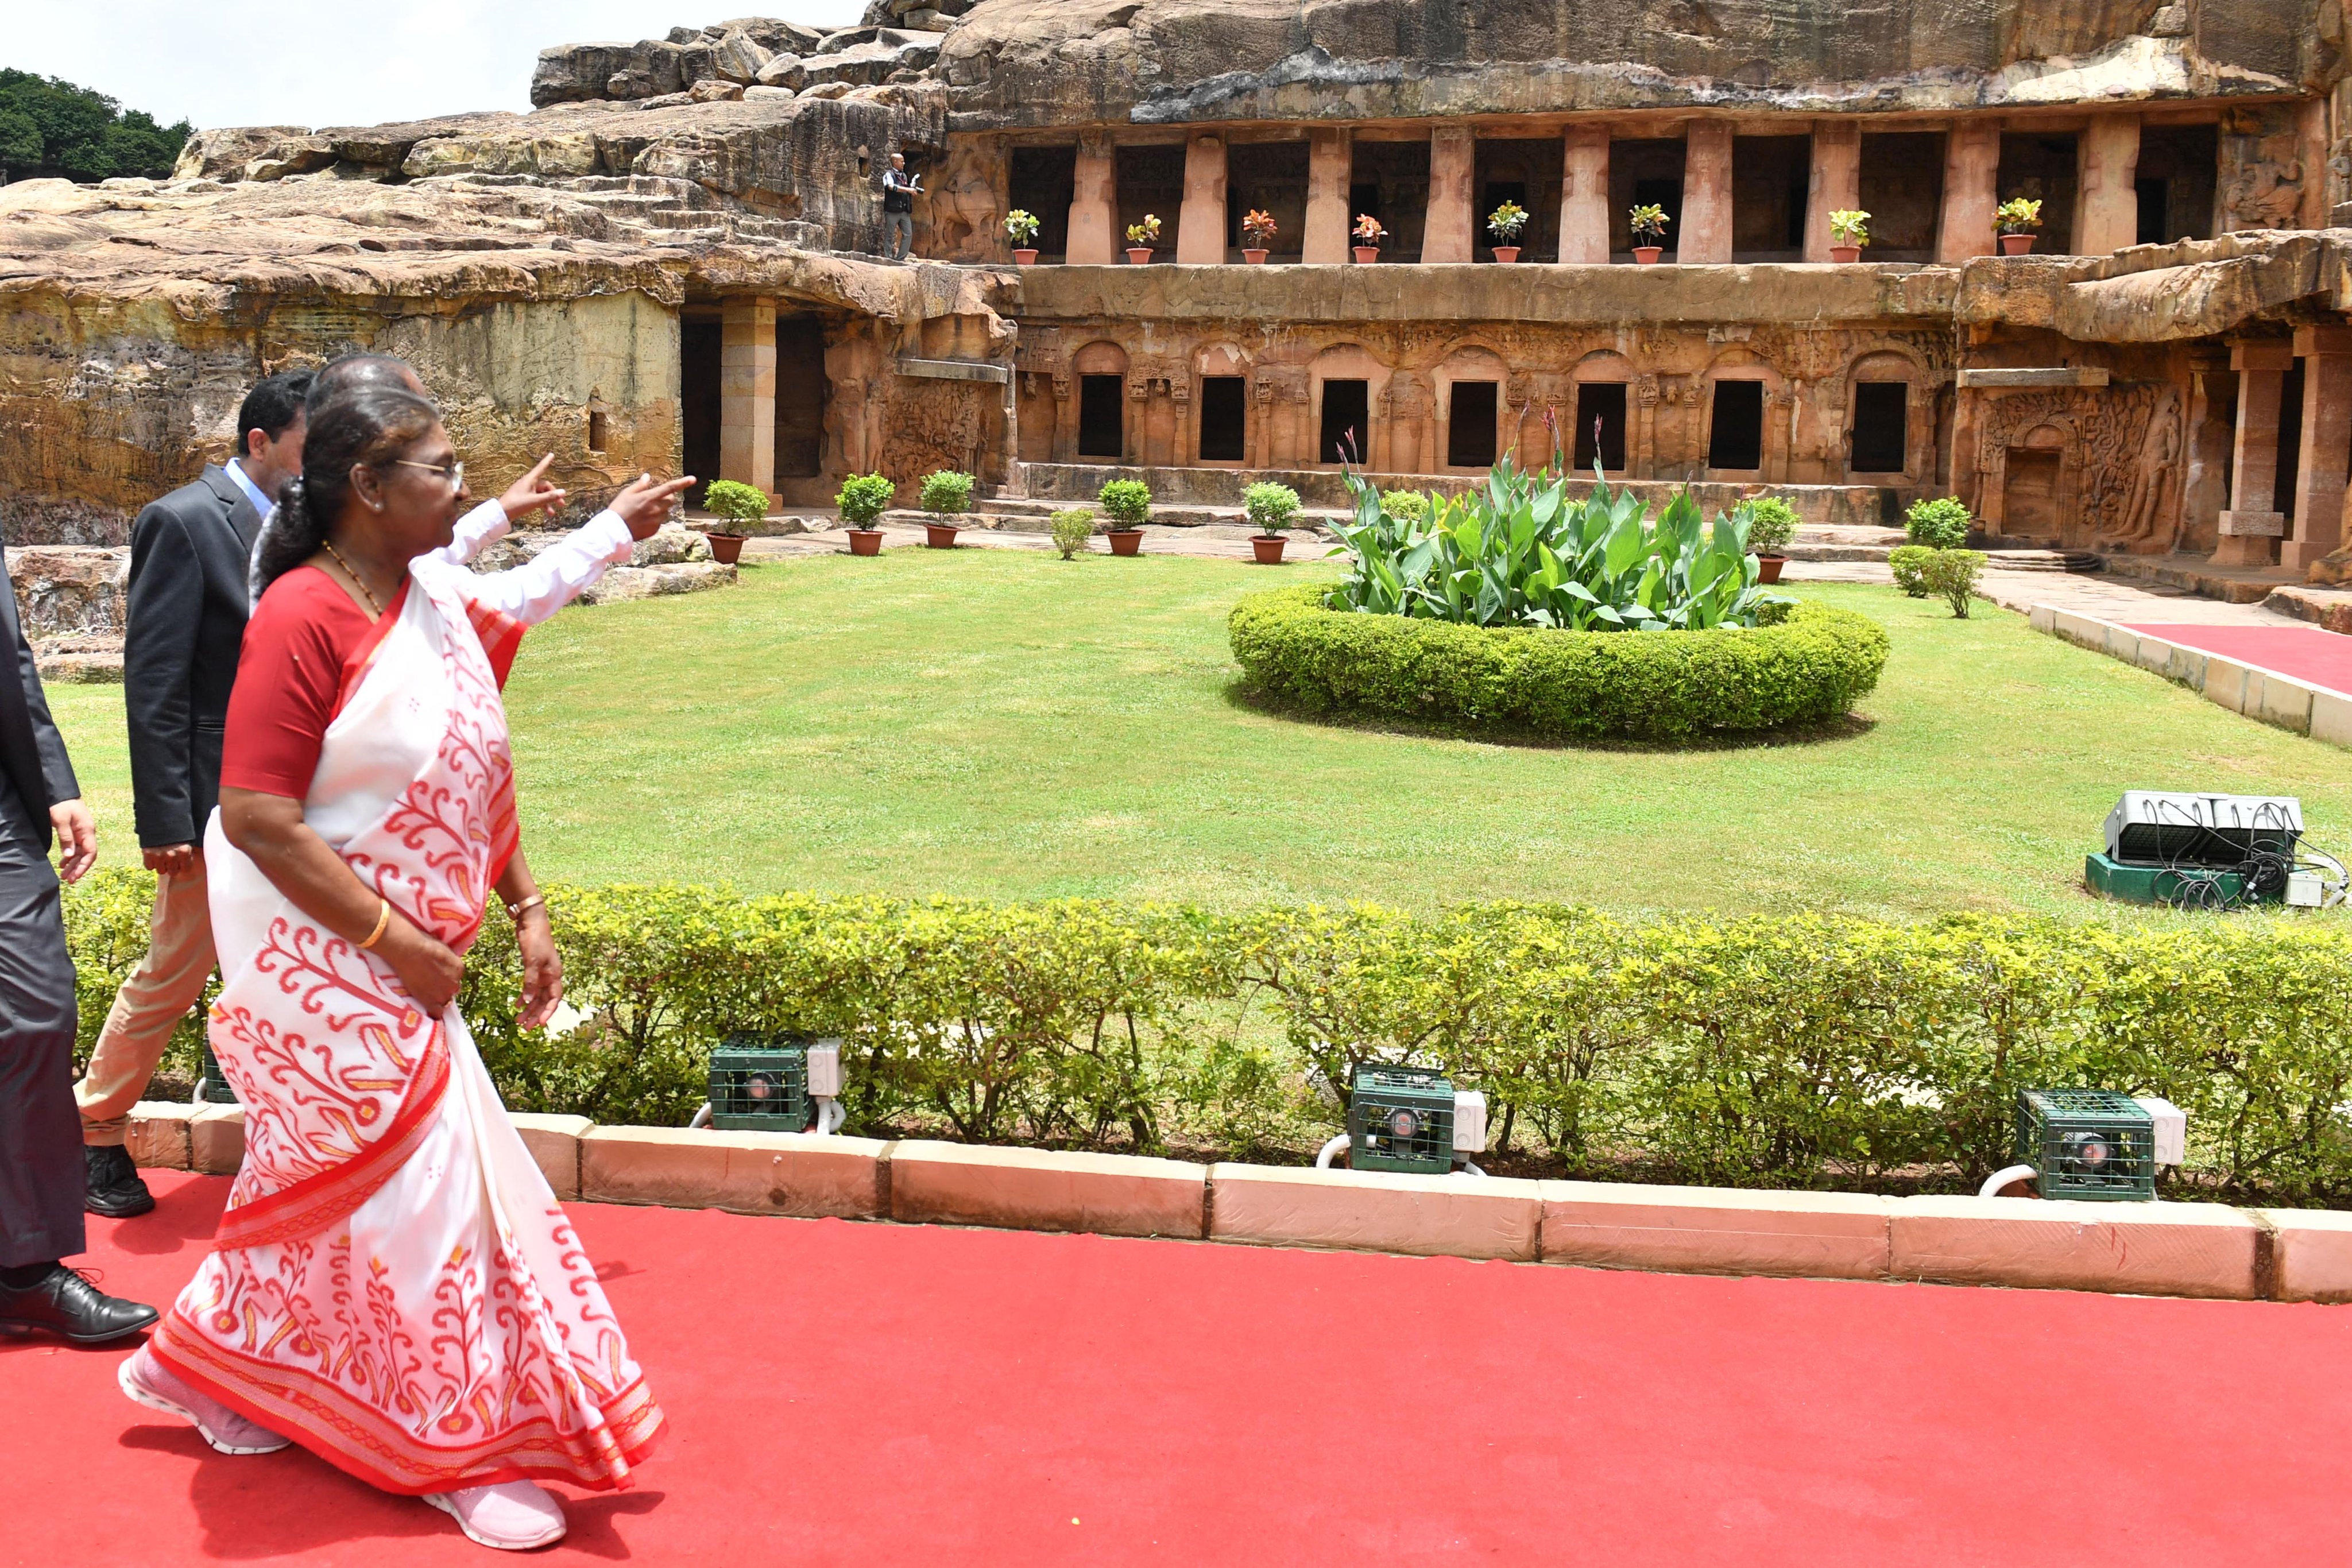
[[2018, 218], [1848, 233], [1127, 504], [735, 503], [1073, 527], [1504, 224], [1271, 507], [1140, 238], [1771, 524], [1257, 235], [1021, 228], [1649, 224], [946, 493], [863, 498], [1368, 235]]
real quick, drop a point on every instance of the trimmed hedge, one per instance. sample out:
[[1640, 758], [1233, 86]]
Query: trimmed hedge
[[1805, 1052], [1660, 686]]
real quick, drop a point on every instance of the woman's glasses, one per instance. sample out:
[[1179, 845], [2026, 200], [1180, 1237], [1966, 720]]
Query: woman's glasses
[[453, 472]]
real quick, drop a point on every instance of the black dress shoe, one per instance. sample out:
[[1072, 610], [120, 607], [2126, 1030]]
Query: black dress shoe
[[67, 1305], [113, 1188]]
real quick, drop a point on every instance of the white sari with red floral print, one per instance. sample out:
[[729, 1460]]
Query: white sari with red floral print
[[394, 1285]]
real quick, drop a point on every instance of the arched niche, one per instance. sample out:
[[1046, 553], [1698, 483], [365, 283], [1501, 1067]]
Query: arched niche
[[1889, 417], [1344, 384], [1739, 393], [1217, 428], [1479, 426]]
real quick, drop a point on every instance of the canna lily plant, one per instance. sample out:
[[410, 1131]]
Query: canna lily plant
[[1518, 551]]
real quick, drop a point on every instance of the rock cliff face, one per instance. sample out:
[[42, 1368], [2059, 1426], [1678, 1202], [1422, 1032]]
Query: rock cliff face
[[1037, 62]]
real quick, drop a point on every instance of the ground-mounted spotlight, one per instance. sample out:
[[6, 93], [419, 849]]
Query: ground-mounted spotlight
[[774, 1083], [212, 1084], [1411, 1119], [2089, 1143]]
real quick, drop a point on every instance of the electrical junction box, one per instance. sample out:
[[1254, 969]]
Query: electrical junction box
[[2304, 889], [2161, 828], [2183, 887], [1469, 1121], [760, 1083], [2087, 1144], [2170, 1125], [1401, 1119], [824, 1069]]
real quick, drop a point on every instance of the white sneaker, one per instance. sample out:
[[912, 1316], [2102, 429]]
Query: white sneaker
[[150, 1383], [513, 1516]]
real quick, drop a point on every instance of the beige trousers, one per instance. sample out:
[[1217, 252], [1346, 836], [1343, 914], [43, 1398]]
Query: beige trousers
[[150, 1004]]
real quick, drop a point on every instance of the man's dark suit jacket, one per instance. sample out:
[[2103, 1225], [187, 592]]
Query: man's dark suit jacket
[[32, 753], [187, 613]]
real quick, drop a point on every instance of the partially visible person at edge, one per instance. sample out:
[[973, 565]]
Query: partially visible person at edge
[[190, 561], [898, 189], [40, 1160], [367, 807]]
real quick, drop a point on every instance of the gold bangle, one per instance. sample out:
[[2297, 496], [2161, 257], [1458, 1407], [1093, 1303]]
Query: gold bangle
[[515, 912], [382, 919]]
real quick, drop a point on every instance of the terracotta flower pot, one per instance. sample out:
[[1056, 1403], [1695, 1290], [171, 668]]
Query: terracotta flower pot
[[1368, 254], [1647, 254], [1768, 568], [941, 535], [1842, 253], [1507, 253], [865, 542], [2016, 244], [1137, 255], [1125, 541], [1254, 258], [1267, 549], [1022, 257], [725, 548]]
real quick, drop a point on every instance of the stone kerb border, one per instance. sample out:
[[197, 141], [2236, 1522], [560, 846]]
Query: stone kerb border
[[2159, 1249], [2242, 688]]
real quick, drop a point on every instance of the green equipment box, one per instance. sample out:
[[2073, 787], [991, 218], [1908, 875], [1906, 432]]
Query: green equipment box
[[760, 1084], [2190, 887], [2087, 1142], [1401, 1119], [213, 1085]]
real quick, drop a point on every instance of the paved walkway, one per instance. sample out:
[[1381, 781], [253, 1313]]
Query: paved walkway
[[2099, 594], [846, 1394]]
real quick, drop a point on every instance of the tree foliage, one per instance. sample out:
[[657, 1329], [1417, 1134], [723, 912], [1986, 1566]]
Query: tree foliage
[[51, 129]]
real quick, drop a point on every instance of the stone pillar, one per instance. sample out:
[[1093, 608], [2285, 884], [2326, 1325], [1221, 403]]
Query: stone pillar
[[1584, 197], [1972, 191], [2206, 452], [1641, 441], [2253, 519], [1445, 231], [747, 392], [1065, 416], [1330, 165], [1094, 205], [1706, 194], [1200, 227], [1835, 184], [2320, 473], [2107, 197]]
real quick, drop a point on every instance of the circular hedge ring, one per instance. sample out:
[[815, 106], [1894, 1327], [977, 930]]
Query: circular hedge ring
[[1653, 685]]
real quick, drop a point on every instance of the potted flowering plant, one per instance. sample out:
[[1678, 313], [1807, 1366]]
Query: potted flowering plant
[[1021, 228], [1368, 235], [1848, 233], [1257, 235], [735, 504], [863, 498], [1771, 524], [1140, 238], [2017, 217], [1271, 507], [1649, 224], [1505, 223], [946, 495]]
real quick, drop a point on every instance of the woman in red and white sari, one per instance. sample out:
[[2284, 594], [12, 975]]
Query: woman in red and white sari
[[394, 1285]]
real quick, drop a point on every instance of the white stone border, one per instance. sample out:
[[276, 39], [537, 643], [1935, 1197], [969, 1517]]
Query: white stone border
[[2273, 698], [2205, 1250]]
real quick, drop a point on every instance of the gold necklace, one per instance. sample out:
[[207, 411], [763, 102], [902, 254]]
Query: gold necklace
[[354, 576]]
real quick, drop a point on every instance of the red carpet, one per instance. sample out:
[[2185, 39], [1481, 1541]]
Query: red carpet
[[868, 1394], [2309, 653]]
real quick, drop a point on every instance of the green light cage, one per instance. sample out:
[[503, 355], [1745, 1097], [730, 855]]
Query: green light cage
[[1401, 1119], [214, 1089], [758, 1083], [2087, 1144]]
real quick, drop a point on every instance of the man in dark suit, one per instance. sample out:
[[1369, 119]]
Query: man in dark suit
[[40, 1169], [187, 607]]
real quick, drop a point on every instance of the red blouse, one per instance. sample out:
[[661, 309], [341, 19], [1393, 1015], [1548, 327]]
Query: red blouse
[[305, 643]]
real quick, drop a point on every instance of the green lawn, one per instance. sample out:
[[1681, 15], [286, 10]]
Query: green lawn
[[1008, 725]]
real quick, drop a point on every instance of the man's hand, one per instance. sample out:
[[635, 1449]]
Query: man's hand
[[531, 493], [645, 505], [77, 839], [173, 860]]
